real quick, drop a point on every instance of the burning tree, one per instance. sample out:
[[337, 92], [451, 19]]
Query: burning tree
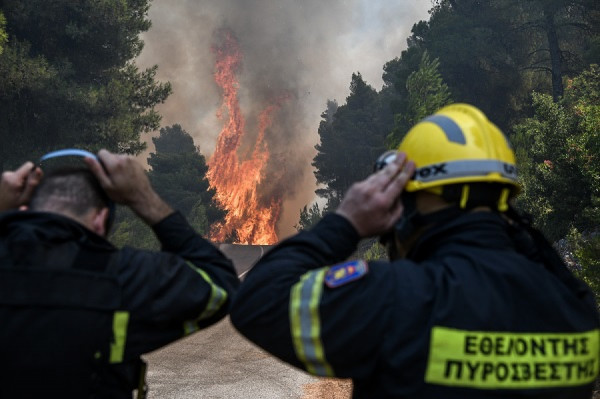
[[250, 216]]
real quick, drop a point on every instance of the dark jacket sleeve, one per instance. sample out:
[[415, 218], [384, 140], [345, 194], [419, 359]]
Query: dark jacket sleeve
[[185, 287], [285, 307]]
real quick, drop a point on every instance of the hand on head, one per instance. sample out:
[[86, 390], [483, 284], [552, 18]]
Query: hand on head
[[126, 182], [121, 176], [17, 186], [373, 205]]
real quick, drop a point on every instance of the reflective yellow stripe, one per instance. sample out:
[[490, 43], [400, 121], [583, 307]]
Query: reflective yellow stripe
[[117, 347], [509, 360], [305, 323], [464, 196], [503, 201], [218, 296]]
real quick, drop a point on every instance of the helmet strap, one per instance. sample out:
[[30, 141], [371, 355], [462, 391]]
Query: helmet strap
[[408, 223], [412, 220], [464, 197], [471, 195], [404, 227]]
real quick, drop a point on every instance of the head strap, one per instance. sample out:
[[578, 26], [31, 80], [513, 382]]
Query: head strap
[[68, 152], [84, 154]]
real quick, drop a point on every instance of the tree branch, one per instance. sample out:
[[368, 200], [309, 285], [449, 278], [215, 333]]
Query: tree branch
[[538, 51], [536, 68], [581, 26], [530, 25]]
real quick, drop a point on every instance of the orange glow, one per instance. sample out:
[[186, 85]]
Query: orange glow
[[250, 217]]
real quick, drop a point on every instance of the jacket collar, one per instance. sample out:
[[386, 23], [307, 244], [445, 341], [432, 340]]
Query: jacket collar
[[479, 229], [47, 227]]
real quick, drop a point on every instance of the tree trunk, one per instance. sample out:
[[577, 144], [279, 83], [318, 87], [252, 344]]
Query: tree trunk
[[555, 54]]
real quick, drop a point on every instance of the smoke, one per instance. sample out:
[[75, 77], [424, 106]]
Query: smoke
[[303, 50]]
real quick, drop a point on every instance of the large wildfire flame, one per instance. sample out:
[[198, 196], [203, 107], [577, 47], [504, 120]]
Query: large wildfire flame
[[250, 218]]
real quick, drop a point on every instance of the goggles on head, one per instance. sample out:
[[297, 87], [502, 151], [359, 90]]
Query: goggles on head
[[384, 159]]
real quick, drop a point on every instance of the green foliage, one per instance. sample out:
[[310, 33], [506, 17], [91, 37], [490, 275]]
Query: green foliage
[[67, 78], [309, 217], [397, 71], [479, 54], [559, 32], [351, 138], [375, 252], [494, 55], [89, 37], [23, 81], [129, 230], [558, 151], [198, 218], [3, 35], [426, 92], [178, 175], [592, 50], [587, 254], [370, 249]]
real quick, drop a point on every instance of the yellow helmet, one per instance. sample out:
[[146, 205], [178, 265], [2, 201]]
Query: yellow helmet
[[457, 145]]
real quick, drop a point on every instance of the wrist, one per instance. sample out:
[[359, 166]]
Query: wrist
[[151, 208], [339, 234], [351, 221]]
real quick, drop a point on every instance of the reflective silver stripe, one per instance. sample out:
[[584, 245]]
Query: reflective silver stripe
[[452, 131], [455, 169]]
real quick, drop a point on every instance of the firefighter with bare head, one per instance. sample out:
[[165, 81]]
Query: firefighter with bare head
[[76, 312]]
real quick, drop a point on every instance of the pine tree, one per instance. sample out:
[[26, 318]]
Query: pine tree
[[3, 35], [426, 93], [350, 141], [558, 153], [178, 174], [67, 78], [309, 217]]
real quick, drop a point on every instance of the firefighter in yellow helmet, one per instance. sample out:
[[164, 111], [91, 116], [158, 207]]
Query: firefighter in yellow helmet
[[473, 303]]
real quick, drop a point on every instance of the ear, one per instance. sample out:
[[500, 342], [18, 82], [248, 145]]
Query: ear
[[99, 219]]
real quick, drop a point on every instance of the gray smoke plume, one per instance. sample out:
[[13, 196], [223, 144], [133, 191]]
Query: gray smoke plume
[[305, 49]]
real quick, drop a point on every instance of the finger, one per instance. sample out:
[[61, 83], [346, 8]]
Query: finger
[[384, 175], [35, 176], [399, 161], [33, 179], [111, 162], [24, 170], [98, 171], [395, 169], [399, 181]]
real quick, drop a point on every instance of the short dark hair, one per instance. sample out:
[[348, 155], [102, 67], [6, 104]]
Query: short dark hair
[[72, 189]]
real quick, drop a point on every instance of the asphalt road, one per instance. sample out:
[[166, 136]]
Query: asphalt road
[[219, 363], [244, 256]]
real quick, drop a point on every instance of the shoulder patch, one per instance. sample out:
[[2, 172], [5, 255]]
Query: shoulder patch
[[346, 272]]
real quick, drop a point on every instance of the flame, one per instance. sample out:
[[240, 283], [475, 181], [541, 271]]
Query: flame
[[250, 217]]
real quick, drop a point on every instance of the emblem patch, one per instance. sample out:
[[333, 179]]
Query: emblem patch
[[344, 273]]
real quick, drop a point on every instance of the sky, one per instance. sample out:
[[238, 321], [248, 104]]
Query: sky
[[306, 49]]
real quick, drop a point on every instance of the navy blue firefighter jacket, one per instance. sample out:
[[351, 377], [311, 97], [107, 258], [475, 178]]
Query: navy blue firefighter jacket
[[473, 313], [77, 313]]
